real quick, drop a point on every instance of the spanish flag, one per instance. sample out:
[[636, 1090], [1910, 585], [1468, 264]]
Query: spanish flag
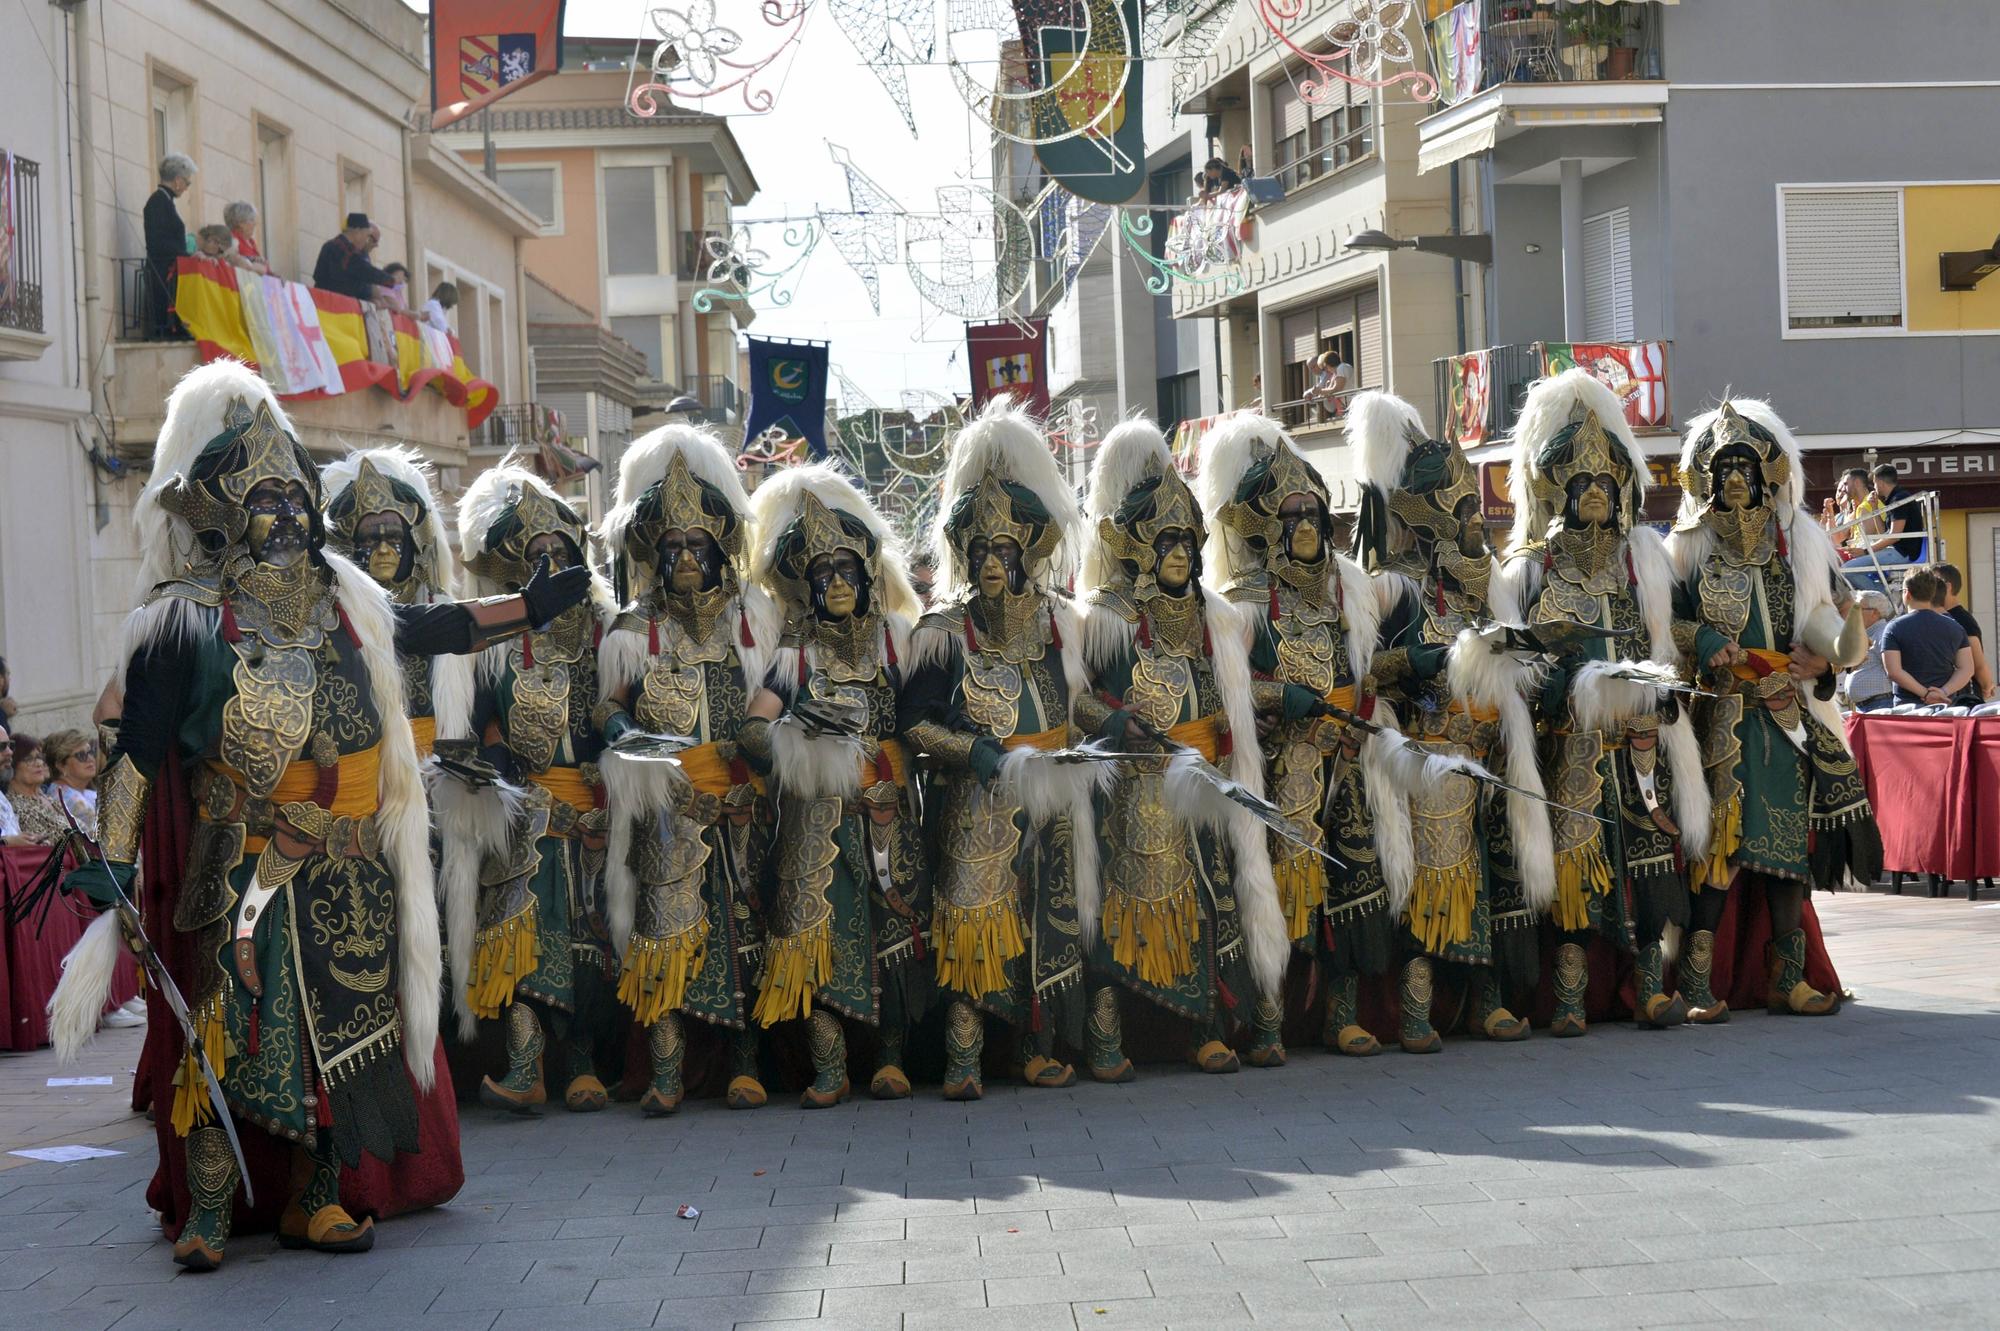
[[315, 340]]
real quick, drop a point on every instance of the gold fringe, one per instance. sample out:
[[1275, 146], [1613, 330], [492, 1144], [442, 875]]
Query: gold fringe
[[974, 945], [658, 971], [1301, 890], [1441, 902], [1727, 840], [502, 956], [1581, 873], [793, 970], [1153, 939], [191, 1103]]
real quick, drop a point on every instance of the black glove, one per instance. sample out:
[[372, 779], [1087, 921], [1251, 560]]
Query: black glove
[[985, 758], [549, 594]]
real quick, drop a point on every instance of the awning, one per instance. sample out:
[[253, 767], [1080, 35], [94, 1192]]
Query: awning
[[1474, 137]]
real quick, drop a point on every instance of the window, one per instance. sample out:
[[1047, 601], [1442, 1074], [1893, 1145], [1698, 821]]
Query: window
[[1315, 139], [631, 228], [1177, 400], [1349, 326], [1607, 277], [534, 188], [274, 193], [173, 116], [355, 194], [1170, 186], [1843, 258], [643, 332]]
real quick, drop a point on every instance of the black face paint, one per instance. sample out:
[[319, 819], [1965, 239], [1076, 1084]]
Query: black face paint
[[707, 555], [1303, 511], [280, 529], [1007, 551], [839, 584], [1739, 463], [383, 547], [1581, 486]]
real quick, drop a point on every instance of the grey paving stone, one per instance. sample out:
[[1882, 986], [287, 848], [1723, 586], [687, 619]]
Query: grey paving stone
[[791, 1278], [876, 1300], [590, 1317], [1636, 1310], [1508, 1287], [1203, 1309], [1021, 1317], [1700, 1275], [708, 1314]]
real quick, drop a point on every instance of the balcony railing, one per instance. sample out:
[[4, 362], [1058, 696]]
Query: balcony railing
[[146, 305], [719, 396], [1483, 44], [21, 245], [1479, 394]]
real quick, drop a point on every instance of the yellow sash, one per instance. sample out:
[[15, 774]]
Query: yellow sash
[[1045, 740], [357, 790], [708, 771], [423, 729], [567, 784], [1204, 735]]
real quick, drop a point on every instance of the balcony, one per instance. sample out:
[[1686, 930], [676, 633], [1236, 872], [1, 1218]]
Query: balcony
[[720, 400], [22, 336], [1507, 66], [1478, 395]]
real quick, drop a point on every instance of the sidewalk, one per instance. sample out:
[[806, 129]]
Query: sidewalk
[[1776, 1172]]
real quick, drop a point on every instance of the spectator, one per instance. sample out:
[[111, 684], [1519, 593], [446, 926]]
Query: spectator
[[10, 825], [7, 704], [167, 240], [36, 820], [398, 293], [1901, 541], [241, 219], [436, 310], [1854, 514], [1982, 670], [1335, 379], [72, 756], [1925, 653], [218, 242], [343, 265], [1866, 688]]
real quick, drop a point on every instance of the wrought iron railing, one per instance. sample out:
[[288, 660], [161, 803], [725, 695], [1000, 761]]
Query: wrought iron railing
[[1482, 44], [718, 393], [146, 304], [513, 425], [21, 246], [1479, 394]]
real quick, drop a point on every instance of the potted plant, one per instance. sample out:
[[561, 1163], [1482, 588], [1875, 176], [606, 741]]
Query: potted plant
[[1590, 33], [1623, 56]]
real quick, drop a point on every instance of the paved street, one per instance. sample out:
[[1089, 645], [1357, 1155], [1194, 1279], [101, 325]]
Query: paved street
[[1775, 1173]]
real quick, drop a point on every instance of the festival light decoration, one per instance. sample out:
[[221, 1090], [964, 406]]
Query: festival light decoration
[[737, 271], [873, 26], [1371, 34], [691, 56]]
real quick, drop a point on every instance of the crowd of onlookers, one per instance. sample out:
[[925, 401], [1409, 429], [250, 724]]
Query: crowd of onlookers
[[345, 266], [1932, 654]]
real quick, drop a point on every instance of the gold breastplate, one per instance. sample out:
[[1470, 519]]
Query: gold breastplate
[[1161, 687], [992, 689], [671, 696]]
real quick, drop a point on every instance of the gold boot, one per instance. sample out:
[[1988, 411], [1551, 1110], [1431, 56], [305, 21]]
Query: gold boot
[[1696, 970], [1656, 1009], [1267, 1037], [1571, 978], [964, 1043], [1495, 1021], [212, 1178], [829, 1055], [1418, 1036], [1791, 995], [667, 1044], [1344, 1033], [1104, 1038], [522, 1088], [890, 1082], [746, 1088], [313, 1217]]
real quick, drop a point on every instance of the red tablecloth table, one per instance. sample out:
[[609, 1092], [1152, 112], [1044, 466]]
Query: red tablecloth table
[[34, 951], [1935, 785]]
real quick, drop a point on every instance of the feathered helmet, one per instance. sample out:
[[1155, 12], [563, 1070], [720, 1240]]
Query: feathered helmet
[[806, 512], [1571, 425], [1746, 423], [390, 480], [503, 512], [1249, 468], [1406, 474], [1002, 480], [224, 435], [1135, 494], [676, 478]]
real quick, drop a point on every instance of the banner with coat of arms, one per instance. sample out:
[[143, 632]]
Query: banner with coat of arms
[[787, 393], [1635, 371], [1007, 358], [481, 50]]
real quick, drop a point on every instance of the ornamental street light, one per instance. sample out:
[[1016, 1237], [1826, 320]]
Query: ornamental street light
[[1476, 247]]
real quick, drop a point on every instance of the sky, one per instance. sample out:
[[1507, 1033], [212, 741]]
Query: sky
[[825, 93]]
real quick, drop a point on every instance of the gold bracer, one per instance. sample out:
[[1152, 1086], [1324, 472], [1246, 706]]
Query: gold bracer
[[946, 747], [121, 810]]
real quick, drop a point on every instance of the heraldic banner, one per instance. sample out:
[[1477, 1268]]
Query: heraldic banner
[[1007, 358], [481, 50], [1088, 76], [787, 392], [1635, 371]]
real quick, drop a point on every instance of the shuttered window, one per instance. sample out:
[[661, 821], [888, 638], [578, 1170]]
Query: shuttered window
[[1843, 258], [1349, 325], [1607, 277], [1316, 138]]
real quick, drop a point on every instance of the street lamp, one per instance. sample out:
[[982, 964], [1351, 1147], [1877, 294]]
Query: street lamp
[[1476, 247]]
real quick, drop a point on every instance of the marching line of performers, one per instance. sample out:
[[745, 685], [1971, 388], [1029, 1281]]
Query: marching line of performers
[[1151, 750]]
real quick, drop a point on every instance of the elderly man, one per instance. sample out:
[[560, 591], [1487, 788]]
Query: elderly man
[[166, 241], [1866, 688], [343, 264]]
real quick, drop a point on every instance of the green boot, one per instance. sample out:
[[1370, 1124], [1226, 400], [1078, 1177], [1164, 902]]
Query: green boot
[[1495, 1021], [1344, 1033], [313, 1217], [1696, 968], [746, 1087], [667, 1044], [1267, 1035], [522, 1088], [1418, 1036], [829, 1055], [1104, 1038], [1040, 1067], [1790, 994], [964, 1043], [890, 1082], [1654, 1007], [1571, 978], [212, 1178]]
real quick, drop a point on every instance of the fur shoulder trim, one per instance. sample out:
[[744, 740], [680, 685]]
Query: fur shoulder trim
[[1134, 452], [1487, 678], [1361, 602], [168, 617], [1380, 429], [939, 638], [1263, 918]]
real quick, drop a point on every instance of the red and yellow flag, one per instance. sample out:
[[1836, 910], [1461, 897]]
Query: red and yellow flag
[[481, 50]]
